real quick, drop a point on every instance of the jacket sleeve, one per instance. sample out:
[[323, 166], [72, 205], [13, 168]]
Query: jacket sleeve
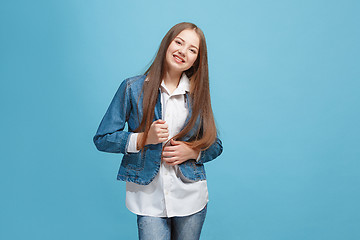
[[110, 136], [211, 153]]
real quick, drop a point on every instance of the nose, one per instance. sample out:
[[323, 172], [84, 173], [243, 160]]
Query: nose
[[181, 51]]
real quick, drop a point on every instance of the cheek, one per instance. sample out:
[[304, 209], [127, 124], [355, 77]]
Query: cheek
[[171, 48], [168, 55], [193, 59], [170, 51]]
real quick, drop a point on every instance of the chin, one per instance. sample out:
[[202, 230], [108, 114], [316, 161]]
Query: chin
[[175, 67]]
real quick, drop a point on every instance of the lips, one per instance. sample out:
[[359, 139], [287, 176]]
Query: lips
[[178, 59]]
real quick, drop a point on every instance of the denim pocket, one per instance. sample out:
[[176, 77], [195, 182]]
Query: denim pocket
[[134, 161]]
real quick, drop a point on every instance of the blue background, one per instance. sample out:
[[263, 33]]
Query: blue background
[[285, 90]]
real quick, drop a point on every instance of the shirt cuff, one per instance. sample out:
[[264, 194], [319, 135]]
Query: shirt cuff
[[132, 147], [199, 156]]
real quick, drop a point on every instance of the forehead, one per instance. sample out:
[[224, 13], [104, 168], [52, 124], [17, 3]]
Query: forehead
[[190, 37]]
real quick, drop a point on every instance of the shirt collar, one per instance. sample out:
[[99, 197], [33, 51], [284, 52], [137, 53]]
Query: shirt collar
[[183, 86]]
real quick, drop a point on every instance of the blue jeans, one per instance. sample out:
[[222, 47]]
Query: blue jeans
[[174, 228]]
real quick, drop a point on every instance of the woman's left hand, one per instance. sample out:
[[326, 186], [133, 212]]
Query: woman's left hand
[[178, 153]]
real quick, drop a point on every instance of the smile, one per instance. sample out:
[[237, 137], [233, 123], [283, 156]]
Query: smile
[[178, 59]]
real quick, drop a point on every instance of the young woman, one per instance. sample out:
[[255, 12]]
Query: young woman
[[171, 134]]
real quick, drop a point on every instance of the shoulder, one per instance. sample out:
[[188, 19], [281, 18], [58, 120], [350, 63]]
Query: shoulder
[[134, 82]]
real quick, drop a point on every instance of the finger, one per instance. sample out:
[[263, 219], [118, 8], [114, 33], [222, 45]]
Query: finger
[[167, 154], [173, 142], [159, 121], [170, 154], [168, 160], [174, 163], [163, 135], [162, 139], [162, 125], [170, 149], [170, 157], [161, 130]]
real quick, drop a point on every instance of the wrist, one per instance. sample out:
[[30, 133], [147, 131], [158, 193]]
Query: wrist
[[139, 140], [196, 153]]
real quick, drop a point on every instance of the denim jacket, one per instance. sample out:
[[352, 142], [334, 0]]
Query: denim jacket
[[143, 166]]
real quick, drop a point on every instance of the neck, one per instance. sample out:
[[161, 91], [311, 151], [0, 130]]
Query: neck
[[171, 79]]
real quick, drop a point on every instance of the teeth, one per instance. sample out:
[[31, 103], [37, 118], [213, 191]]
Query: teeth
[[179, 58]]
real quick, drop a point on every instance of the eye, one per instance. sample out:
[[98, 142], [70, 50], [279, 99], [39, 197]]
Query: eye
[[177, 42], [193, 51]]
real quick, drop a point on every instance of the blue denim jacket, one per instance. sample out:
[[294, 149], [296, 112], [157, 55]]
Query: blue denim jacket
[[142, 167]]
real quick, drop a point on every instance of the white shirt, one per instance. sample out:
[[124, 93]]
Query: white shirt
[[170, 193]]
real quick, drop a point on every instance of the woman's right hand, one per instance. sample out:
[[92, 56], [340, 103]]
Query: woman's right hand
[[158, 133]]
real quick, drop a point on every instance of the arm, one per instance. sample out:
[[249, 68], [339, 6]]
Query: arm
[[211, 153], [180, 152], [110, 136]]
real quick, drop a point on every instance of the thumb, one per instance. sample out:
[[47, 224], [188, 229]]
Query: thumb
[[173, 142], [160, 121]]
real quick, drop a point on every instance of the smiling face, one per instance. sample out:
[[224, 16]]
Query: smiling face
[[182, 51]]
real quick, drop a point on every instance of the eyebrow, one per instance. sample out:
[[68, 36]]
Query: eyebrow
[[191, 45]]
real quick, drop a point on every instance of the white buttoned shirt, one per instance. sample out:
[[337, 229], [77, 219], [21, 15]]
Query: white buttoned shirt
[[170, 193]]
